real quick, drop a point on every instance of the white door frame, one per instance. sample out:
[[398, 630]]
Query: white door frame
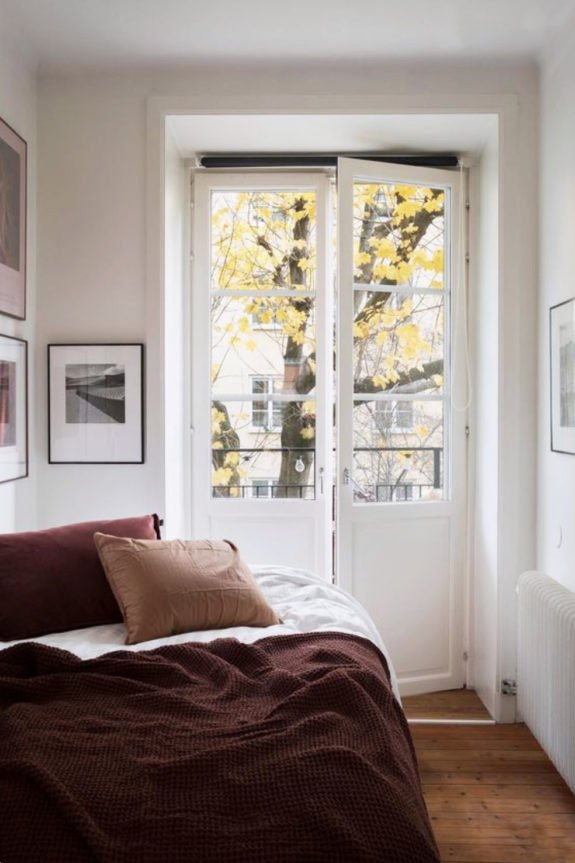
[[512, 543]]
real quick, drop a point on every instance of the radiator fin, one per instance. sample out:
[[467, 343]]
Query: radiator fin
[[546, 667]]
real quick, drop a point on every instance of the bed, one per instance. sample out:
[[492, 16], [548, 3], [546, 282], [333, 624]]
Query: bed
[[283, 743]]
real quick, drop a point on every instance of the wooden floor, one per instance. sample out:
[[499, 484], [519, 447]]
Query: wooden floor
[[493, 796], [455, 704]]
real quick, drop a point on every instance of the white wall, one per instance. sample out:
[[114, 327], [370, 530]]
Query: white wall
[[18, 109], [556, 471], [92, 276]]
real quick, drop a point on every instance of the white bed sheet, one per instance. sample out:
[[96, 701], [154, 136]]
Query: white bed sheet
[[304, 601]]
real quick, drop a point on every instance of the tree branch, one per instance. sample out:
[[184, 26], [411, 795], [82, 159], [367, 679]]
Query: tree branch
[[366, 385]]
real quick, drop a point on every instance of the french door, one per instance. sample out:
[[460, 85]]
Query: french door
[[262, 332], [401, 415], [293, 462]]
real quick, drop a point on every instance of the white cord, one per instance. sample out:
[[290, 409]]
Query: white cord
[[460, 303]]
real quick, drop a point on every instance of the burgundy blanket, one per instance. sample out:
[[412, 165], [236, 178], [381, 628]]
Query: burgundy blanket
[[290, 749]]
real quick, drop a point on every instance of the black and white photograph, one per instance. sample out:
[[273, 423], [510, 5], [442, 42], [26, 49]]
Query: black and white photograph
[[12, 222], [562, 339], [96, 403], [95, 394], [13, 409]]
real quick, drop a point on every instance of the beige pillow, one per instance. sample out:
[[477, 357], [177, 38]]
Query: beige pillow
[[168, 586]]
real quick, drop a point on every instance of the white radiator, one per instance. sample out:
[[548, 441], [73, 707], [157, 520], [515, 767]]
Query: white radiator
[[546, 667]]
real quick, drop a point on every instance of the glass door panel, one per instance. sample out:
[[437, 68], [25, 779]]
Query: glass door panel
[[400, 322], [263, 342], [262, 310]]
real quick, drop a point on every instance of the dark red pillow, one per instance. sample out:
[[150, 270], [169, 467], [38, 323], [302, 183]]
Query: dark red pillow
[[52, 580]]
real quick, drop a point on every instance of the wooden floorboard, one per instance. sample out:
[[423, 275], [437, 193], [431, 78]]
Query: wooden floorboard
[[453, 704], [493, 796]]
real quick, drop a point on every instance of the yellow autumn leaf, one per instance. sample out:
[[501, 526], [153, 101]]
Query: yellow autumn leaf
[[384, 248], [433, 206], [437, 261], [221, 476], [307, 433], [360, 330], [405, 191], [406, 210], [361, 258]]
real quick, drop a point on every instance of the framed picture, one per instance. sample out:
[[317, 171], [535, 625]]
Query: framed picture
[[96, 404], [13, 174], [562, 342], [13, 408]]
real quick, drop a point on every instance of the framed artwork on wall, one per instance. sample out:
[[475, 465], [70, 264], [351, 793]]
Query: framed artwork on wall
[[13, 173], [96, 404], [562, 347], [13, 408]]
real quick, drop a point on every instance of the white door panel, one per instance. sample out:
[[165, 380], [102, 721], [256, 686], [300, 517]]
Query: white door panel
[[271, 539], [409, 590]]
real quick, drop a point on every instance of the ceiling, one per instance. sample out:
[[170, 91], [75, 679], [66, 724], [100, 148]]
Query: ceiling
[[58, 34]]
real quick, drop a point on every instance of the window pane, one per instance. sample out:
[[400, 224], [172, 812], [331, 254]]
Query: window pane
[[243, 451], [241, 351], [394, 415], [398, 235], [259, 414], [395, 462], [398, 340], [263, 240]]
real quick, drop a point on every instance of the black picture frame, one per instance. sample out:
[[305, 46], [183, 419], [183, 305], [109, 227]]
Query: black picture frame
[[13, 221], [562, 376], [96, 403], [13, 408]]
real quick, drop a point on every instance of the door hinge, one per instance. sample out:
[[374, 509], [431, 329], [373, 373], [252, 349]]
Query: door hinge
[[465, 656], [508, 686]]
